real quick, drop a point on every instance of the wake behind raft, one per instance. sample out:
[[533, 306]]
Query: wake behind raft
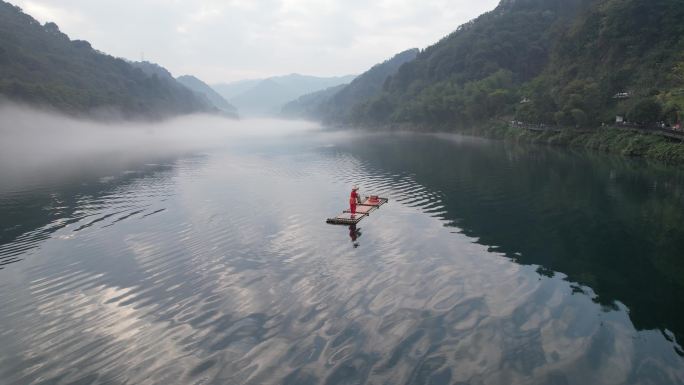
[[363, 210]]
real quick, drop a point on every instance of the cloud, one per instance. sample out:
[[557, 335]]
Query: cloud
[[227, 40], [48, 12]]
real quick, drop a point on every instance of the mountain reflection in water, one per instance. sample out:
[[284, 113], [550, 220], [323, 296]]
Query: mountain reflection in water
[[492, 264], [610, 223]]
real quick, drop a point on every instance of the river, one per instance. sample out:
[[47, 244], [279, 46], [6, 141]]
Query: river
[[492, 263]]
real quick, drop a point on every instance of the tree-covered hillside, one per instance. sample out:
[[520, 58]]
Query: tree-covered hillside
[[338, 104], [621, 57], [309, 105], [566, 62], [212, 96], [341, 106], [41, 65]]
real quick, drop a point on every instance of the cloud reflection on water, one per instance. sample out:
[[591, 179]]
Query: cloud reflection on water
[[239, 281]]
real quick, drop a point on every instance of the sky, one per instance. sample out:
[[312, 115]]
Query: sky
[[227, 40]]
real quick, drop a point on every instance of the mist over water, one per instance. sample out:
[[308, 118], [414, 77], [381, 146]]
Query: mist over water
[[39, 145], [194, 251]]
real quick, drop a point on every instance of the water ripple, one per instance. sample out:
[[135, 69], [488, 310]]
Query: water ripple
[[220, 270]]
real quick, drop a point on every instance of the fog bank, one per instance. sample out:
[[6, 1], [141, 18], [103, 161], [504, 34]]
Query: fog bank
[[36, 144]]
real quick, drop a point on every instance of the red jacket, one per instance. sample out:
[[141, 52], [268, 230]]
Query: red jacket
[[354, 197]]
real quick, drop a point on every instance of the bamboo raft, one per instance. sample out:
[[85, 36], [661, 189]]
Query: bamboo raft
[[362, 210]]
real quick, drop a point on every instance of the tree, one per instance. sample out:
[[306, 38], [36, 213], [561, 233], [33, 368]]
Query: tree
[[579, 117], [564, 118], [671, 113], [678, 73], [645, 111]]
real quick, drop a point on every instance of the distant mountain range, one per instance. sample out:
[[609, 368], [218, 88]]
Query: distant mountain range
[[212, 96], [40, 65], [230, 90], [310, 106], [336, 104], [266, 97], [571, 63], [201, 89]]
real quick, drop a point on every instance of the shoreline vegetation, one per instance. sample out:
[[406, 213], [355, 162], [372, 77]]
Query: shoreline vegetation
[[625, 142], [609, 72], [609, 139]]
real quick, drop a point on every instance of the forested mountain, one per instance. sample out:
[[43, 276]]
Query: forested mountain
[[41, 65], [264, 99], [205, 90], [338, 104], [268, 96], [233, 89], [363, 88], [153, 69], [304, 84], [629, 47], [566, 62], [309, 105]]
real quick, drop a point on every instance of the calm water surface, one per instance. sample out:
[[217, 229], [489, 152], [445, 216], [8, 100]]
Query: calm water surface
[[492, 264]]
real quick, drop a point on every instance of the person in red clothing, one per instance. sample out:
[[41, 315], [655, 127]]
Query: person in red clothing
[[354, 199]]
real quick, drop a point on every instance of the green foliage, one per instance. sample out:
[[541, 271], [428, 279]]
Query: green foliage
[[579, 117], [544, 61], [623, 142], [477, 72], [678, 73], [616, 46], [41, 65], [340, 106], [645, 110], [671, 112], [310, 105]]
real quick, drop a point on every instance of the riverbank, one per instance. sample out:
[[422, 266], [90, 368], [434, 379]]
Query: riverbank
[[610, 140]]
